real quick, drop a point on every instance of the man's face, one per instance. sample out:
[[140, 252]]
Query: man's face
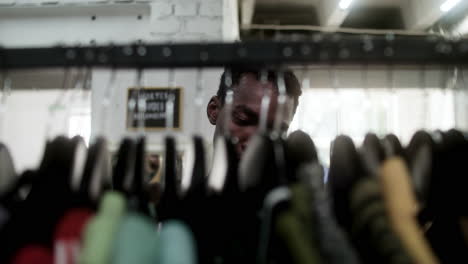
[[246, 105]]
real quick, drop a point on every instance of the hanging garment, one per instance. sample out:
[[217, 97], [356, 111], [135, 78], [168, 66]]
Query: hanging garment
[[68, 235], [33, 254], [401, 205], [7, 169], [294, 228], [51, 186], [99, 234], [333, 242], [176, 244], [370, 229], [136, 241], [448, 199]]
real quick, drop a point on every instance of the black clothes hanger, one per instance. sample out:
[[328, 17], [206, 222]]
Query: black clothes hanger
[[168, 206], [345, 170], [372, 153], [269, 249], [421, 154], [392, 146], [139, 198], [124, 167], [447, 200], [12, 195], [128, 176], [219, 207], [257, 167], [11, 184], [51, 194], [97, 172], [263, 165], [299, 149], [197, 187], [7, 169]]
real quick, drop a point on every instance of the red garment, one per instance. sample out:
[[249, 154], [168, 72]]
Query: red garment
[[33, 254], [68, 233]]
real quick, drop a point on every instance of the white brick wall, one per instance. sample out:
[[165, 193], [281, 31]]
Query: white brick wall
[[186, 20], [104, 21], [203, 25], [186, 8], [211, 8], [168, 25], [161, 10]]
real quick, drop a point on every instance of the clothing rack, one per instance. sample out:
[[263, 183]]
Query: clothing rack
[[321, 48]]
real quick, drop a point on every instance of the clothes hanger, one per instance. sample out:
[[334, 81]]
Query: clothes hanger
[[278, 134], [194, 203], [194, 176], [447, 200], [300, 149], [253, 167], [6, 90], [371, 150], [258, 172], [275, 201], [97, 175], [301, 152], [129, 171], [55, 183], [311, 173], [168, 207], [7, 169], [124, 168], [76, 149], [446, 197], [372, 154], [263, 170], [222, 180], [139, 198], [52, 185], [26, 179], [345, 170], [421, 154], [392, 146]]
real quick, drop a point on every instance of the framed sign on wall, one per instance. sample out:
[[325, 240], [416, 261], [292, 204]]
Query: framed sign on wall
[[155, 114]]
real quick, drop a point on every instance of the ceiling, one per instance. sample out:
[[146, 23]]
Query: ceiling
[[315, 2], [413, 15]]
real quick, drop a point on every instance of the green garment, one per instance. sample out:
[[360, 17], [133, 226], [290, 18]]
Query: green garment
[[100, 232], [294, 227], [176, 244], [371, 229], [136, 241]]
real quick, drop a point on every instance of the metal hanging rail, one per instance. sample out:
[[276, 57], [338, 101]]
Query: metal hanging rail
[[331, 48]]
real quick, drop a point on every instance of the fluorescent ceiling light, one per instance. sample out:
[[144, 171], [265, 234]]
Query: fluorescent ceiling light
[[344, 4], [449, 4]]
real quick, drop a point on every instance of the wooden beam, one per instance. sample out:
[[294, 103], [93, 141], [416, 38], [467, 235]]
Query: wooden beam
[[247, 12]]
